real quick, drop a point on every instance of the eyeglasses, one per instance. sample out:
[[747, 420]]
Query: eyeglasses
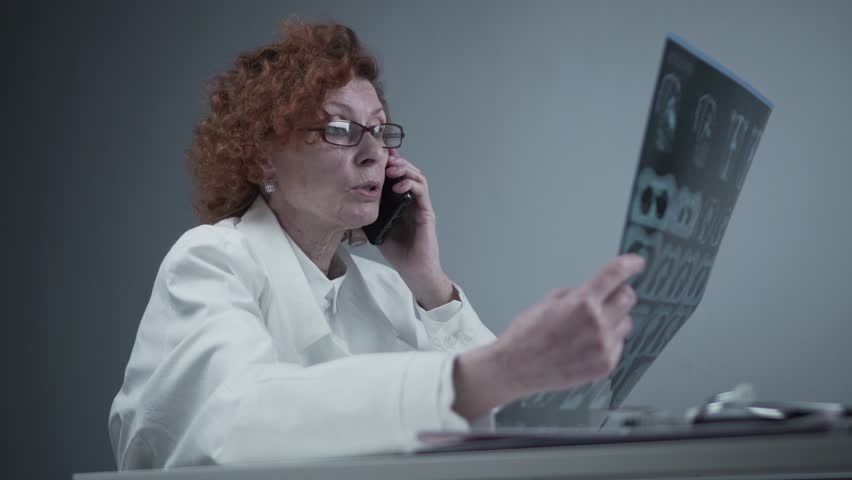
[[346, 133]]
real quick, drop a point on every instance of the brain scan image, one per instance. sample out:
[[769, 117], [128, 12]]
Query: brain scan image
[[702, 129], [665, 111], [738, 127]]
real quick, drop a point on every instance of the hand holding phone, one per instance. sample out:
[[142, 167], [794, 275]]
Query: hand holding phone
[[408, 239]]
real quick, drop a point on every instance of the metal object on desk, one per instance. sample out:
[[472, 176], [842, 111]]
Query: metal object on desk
[[740, 405]]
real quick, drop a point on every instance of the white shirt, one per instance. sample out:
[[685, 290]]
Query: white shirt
[[247, 352]]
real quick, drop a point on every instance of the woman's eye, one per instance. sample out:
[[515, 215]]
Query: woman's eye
[[337, 129]]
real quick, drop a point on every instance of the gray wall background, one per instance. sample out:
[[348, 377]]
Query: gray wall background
[[527, 119]]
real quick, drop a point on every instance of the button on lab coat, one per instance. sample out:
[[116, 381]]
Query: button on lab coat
[[235, 360]]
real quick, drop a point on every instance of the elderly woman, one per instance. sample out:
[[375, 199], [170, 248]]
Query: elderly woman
[[265, 339]]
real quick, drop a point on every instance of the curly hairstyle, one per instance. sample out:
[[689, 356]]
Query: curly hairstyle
[[271, 93]]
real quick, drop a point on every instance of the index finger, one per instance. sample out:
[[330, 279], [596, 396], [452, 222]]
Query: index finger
[[615, 274]]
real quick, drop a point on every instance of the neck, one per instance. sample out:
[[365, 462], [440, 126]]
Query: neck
[[317, 241]]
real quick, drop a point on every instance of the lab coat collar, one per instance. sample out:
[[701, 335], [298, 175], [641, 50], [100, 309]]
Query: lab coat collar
[[290, 288]]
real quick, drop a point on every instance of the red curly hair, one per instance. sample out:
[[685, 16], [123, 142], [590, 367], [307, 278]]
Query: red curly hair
[[271, 93]]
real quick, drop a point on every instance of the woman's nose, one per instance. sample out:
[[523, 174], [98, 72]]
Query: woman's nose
[[372, 150]]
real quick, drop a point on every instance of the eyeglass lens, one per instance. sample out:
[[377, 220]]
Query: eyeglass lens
[[349, 134]]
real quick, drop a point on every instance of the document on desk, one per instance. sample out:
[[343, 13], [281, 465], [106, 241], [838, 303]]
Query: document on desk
[[701, 136]]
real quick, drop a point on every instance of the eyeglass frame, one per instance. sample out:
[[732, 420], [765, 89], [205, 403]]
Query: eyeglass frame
[[364, 129]]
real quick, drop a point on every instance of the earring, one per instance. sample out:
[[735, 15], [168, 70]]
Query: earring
[[269, 185]]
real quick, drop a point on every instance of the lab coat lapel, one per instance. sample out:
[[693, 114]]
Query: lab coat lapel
[[372, 331], [297, 318]]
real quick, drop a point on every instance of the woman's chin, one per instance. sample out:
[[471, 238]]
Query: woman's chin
[[363, 217]]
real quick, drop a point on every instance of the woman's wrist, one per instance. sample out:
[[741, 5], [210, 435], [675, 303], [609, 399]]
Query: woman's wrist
[[482, 380]]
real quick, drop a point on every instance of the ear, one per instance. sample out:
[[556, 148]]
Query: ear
[[259, 167], [266, 167]]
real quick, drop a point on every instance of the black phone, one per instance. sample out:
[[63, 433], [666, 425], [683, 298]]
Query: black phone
[[391, 206]]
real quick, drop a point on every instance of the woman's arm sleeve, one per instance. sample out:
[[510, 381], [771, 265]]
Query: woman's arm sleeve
[[454, 326], [205, 383]]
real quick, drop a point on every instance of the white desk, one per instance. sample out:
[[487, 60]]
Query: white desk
[[770, 457]]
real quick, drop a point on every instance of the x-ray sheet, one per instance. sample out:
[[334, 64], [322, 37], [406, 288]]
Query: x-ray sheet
[[702, 133]]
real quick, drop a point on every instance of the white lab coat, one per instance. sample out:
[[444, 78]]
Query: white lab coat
[[234, 361]]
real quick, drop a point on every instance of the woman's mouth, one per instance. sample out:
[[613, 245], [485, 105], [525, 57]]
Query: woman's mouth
[[369, 190]]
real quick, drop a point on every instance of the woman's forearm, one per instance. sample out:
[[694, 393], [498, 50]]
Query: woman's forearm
[[431, 289]]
